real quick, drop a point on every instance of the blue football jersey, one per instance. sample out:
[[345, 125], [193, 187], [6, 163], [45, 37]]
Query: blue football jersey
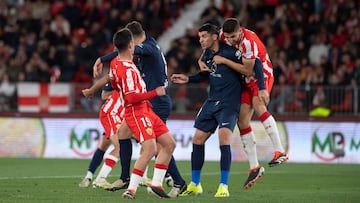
[[225, 83]]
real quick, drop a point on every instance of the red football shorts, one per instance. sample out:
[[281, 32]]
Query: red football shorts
[[109, 123], [251, 90], [144, 123]]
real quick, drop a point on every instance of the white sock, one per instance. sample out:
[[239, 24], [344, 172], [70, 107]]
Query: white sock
[[249, 144], [145, 176], [89, 175], [272, 130], [106, 169], [158, 177], [134, 181]]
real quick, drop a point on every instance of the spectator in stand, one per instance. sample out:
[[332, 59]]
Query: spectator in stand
[[72, 13], [317, 50], [7, 90], [61, 27], [337, 23], [36, 69]]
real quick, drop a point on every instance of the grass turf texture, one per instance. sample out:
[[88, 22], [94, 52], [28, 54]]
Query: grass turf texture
[[56, 180]]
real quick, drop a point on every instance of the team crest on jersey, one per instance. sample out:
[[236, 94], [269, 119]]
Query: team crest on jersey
[[149, 131], [238, 54]]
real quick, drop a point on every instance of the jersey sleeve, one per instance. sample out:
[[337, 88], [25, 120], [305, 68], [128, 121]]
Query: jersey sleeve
[[130, 85], [143, 49], [200, 77], [109, 57], [259, 74], [133, 98]]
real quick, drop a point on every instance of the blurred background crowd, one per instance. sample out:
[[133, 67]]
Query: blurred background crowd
[[314, 45]]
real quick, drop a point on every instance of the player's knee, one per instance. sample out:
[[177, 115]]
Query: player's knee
[[198, 140], [243, 123], [260, 109], [151, 151], [171, 144]]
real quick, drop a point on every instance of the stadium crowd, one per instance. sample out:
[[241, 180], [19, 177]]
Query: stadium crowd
[[310, 42]]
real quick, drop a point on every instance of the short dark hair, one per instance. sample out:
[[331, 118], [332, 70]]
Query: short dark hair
[[210, 28], [135, 28], [122, 38], [230, 25]]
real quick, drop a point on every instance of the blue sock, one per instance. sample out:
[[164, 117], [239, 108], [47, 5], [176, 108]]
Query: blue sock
[[197, 162], [225, 163], [174, 172], [125, 158], [96, 160]]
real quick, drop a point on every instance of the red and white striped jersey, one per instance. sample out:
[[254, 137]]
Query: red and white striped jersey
[[251, 47], [114, 107], [126, 77]]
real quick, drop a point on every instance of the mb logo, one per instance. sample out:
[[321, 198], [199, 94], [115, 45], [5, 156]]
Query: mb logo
[[84, 141], [328, 147]]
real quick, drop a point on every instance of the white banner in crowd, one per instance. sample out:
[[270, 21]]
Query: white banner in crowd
[[317, 142], [43, 97]]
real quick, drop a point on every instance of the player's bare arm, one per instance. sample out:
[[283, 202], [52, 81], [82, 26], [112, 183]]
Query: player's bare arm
[[179, 78], [97, 68], [89, 93]]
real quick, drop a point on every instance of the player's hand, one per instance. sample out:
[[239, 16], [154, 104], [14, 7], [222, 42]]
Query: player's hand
[[97, 68], [179, 78], [160, 91], [203, 66], [264, 96], [88, 93], [218, 59]]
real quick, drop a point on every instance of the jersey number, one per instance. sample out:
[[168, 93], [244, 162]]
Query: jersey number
[[146, 122]]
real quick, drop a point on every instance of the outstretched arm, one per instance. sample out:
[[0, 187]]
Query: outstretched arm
[[182, 79], [89, 93], [133, 98]]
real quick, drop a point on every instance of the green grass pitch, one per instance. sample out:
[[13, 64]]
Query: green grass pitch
[[56, 180]]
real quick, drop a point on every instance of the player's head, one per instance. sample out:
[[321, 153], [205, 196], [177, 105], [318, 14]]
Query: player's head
[[232, 31], [123, 40], [208, 35], [136, 29]]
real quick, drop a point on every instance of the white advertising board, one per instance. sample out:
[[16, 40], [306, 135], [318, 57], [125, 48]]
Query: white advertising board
[[310, 142]]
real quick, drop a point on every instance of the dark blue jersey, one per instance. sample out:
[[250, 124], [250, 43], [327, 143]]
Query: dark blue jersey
[[225, 83], [152, 65]]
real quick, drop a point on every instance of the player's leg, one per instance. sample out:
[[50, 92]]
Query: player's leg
[[248, 139], [226, 117], [146, 181], [95, 161], [149, 150], [270, 126], [205, 124], [197, 162], [167, 143], [163, 109], [125, 153], [110, 161], [225, 160]]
